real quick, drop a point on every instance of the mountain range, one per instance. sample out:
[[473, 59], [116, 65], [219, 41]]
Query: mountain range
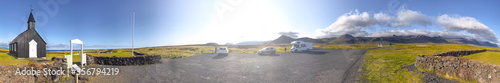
[[349, 39]]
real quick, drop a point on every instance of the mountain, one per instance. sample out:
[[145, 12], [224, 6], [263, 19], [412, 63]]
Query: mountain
[[470, 41], [346, 36], [207, 44], [348, 39], [307, 39], [286, 40], [282, 39], [413, 39], [252, 42], [229, 44]]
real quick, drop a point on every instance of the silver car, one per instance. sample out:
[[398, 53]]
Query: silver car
[[267, 50], [223, 51]]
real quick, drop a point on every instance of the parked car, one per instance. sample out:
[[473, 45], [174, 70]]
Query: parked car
[[267, 50], [223, 51]]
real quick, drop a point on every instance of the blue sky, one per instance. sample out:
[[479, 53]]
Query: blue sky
[[103, 24]]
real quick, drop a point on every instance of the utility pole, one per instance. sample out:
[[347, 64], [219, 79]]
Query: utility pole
[[133, 25]]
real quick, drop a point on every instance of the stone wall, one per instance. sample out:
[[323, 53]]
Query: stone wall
[[466, 69], [8, 72], [136, 60], [460, 53]]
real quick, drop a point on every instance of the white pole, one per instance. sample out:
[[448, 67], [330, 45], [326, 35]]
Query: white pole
[[133, 25], [83, 57], [81, 52], [71, 48]]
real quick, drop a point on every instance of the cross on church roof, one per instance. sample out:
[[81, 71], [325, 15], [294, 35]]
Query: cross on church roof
[[31, 8], [31, 18]]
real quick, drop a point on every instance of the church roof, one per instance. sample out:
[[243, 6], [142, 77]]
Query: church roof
[[26, 34], [31, 18]]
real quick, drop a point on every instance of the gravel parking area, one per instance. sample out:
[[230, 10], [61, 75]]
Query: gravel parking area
[[316, 66]]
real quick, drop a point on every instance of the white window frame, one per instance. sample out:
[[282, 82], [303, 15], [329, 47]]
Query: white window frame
[[15, 46]]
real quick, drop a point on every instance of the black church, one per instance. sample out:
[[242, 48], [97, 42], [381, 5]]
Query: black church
[[28, 44]]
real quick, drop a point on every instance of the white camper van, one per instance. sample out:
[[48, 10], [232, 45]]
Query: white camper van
[[299, 45]]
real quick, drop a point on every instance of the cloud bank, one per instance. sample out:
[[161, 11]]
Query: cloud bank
[[290, 34], [350, 23], [64, 46], [354, 23], [399, 32], [469, 25], [4, 45]]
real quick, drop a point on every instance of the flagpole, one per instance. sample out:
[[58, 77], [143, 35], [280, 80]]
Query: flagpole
[[133, 26]]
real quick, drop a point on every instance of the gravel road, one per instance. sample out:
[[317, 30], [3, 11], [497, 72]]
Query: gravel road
[[316, 66]]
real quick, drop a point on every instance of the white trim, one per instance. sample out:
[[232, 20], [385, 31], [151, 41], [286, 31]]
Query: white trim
[[83, 58], [76, 41], [15, 47]]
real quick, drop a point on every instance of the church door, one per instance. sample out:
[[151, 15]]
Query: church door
[[32, 49]]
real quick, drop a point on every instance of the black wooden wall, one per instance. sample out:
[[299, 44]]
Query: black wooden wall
[[23, 45]]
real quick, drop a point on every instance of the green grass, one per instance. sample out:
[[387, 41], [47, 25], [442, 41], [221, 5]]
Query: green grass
[[253, 49], [116, 54], [346, 46], [76, 58], [187, 51], [488, 57], [6, 50], [384, 65], [175, 51], [6, 59]]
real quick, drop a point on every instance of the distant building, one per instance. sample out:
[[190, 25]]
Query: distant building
[[28, 44], [383, 45]]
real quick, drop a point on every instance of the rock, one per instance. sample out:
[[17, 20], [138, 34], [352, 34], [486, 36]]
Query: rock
[[137, 60], [449, 63]]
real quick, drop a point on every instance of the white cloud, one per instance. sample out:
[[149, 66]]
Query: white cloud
[[350, 23], [420, 32], [57, 45], [354, 23], [403, 18], [4, 45], [408, 17], [64, 46], [468, 24], [383, 19]]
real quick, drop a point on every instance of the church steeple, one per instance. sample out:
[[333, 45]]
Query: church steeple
[[31, 18], [31, 21]]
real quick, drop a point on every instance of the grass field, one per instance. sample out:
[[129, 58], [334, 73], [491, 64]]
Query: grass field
[[488, 57], [6, 50], [187, 51], [116, 54], [384, 65], [76, 58], [178, 51], [346, 46], [6, 59]]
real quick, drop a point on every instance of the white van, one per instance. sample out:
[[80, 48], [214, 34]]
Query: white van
[[299, 45]]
